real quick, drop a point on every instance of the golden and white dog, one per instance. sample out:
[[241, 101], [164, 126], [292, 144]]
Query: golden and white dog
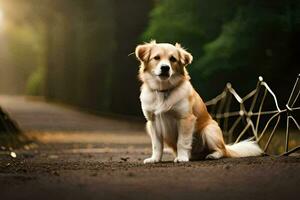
[[175, 113]]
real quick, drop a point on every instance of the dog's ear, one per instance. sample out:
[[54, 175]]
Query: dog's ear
[[142, 51], [185, 57]]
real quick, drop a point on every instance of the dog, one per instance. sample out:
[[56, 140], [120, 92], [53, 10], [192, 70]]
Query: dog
[[175, 113]]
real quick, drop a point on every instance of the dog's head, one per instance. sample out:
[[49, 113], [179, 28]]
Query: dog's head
[[162, 64]]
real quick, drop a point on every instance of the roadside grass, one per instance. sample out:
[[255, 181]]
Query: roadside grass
[[277, 144]]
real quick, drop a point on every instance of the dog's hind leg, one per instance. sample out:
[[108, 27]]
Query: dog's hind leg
[[215, 155], [213, 139]]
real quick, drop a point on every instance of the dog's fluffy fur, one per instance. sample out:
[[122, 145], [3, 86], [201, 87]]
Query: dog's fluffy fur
[[175, 113]]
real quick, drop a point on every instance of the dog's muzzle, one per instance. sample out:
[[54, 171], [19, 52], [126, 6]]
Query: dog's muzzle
[[164, 71]]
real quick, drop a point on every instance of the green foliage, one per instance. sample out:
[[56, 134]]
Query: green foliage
[[26, 53], [35, 82], [231, 41], [193, 22], [23, 51]]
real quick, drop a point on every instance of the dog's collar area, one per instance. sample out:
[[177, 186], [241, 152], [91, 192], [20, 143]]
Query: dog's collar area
[[168, 91], [165, 93]]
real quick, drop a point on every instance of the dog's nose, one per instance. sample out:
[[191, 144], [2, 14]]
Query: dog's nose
[[165, 68]]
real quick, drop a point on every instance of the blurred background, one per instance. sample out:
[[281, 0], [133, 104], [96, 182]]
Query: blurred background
[[76, 51]]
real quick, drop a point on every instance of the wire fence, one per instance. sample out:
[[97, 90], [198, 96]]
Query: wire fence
[[246, 116]]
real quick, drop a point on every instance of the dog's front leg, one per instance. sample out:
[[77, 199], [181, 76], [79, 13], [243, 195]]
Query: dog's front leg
[[157, 144], [185, 138]]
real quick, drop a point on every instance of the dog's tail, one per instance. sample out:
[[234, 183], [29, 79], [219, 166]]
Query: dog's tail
[[244, 148]]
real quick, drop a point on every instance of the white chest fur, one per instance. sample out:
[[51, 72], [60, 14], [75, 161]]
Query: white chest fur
[[164, 109]]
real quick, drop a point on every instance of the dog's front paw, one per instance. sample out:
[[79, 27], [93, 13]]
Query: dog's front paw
[[181, 159], [151, 160]]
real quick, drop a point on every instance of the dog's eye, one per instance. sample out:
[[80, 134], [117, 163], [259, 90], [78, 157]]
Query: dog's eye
[[173, 59], [156, 57]]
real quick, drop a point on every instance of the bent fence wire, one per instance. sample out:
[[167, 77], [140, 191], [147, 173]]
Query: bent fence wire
[[250, 113]]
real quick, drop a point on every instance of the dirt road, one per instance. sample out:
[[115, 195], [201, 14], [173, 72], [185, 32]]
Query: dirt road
[[82, 156]]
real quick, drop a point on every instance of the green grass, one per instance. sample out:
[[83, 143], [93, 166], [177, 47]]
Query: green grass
[[277, 145]]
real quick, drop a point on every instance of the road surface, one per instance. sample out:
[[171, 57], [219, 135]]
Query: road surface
[[82, 156]]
